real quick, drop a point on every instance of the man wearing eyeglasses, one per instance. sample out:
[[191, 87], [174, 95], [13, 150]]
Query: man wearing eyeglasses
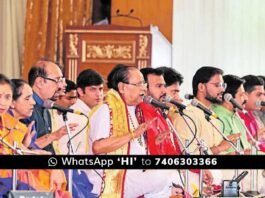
[[66, 100], [120, 133], [208, 88], [46, 79]]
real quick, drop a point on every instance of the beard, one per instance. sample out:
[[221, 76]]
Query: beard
[[212, 99], [162, 98]]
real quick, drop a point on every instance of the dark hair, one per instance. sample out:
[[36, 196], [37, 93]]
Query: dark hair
[[38, 69], [148, 70], [35, 72], [171, 76], [89, 77], [203, 75], [263, 78], [118, 74], [233, 83], [5, 80], [251, 82], [70, 85], [18, 85]]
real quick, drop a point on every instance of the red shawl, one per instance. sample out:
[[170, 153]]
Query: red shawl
[[167, 145]]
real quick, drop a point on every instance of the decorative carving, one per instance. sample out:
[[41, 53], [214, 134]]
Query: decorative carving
[[109, 51], [143, 43], [105, 51], [73, 42]]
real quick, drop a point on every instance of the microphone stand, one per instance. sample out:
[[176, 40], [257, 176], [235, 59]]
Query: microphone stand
[[202, 148], [238, 147], [255, 143], [13, 148], [14, 171], [175, 132], [186, 187], [254, 148], [254, 178], [18, 151], [71, 152], [14, 174], [224, 137]]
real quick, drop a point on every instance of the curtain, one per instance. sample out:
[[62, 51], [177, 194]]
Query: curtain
[[228, 34], [12, 14], [45, 23]]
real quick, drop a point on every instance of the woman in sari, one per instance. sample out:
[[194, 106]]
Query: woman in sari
[[12, 130]]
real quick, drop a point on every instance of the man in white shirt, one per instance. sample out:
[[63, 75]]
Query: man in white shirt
[[119, 133], [90, 93]]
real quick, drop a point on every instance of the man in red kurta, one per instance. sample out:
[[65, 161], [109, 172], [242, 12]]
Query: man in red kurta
[[160, 139]]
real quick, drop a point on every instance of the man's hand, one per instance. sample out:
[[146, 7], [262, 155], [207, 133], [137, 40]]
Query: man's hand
[[63, 131], [225, 145], [143, 127]]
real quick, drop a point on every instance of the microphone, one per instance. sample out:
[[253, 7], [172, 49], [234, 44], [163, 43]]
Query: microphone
[[229, 97], [189, 96], [260, 103], [178, 104], [119, 14], [241, 176], [204, 109], [156, 103], [51, 105]]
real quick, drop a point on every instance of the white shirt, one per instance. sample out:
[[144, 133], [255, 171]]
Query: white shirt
[[151, 183], [79, 142]]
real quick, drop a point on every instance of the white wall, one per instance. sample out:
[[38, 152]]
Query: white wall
[[229, 34]]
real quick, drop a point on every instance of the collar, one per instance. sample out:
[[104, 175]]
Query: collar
[[37, 99], [219, 109], [81, 106]]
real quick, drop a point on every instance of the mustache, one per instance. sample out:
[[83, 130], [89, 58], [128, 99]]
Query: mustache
[[163, 96]]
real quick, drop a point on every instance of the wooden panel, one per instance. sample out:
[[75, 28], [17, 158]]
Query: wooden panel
[[103, 47], [155, 12]]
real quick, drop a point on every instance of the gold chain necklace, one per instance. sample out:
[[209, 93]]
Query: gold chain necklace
[[139, 139]]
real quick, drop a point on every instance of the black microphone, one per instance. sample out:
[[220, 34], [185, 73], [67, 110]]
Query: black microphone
[[156, 103], [260, 103], [204, 109], [51, 105], [119, 14], [178, 104], [229, 97], [189, 96], [241, 176]]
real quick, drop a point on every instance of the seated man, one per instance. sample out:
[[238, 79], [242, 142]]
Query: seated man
[[122, 134], [254, 87], [227, 112]]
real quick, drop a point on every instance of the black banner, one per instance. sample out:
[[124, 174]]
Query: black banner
[[131, 162]]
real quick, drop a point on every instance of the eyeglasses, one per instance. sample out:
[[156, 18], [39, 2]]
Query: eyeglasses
[[58, 80], [140, 84], [220, 85]]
